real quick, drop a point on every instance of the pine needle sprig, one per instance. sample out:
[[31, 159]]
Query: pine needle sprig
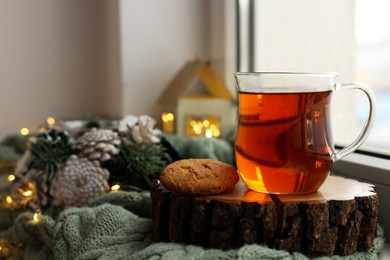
[[50, 151], [137, 164]]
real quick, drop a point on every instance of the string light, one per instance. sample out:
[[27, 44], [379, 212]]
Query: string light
[[24, 131], [168, 122], [215, 130], [115, 187], [27, 193], [11, 177], [50, 121], [167, 117], [5, 249], [8, 202], [9, 199], [37, 216], [209, 133], [208, 126]]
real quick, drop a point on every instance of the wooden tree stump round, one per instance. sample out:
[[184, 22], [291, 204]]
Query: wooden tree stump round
[[339, 219]]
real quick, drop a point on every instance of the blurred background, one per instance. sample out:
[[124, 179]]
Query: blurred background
[[103, 58], [110, 58]]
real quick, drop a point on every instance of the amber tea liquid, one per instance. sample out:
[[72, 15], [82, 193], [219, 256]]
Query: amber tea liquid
[[283, 144]]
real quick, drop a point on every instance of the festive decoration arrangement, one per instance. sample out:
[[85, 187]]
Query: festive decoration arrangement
[[59, 165], [61, 170], [59, 191]]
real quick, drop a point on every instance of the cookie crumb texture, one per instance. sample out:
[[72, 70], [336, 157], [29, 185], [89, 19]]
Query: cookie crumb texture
[[199, 177]]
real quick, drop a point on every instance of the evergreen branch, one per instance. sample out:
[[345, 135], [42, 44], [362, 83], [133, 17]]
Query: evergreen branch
[[137, 164]]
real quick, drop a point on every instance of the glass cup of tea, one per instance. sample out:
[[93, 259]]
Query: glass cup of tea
[[284, 142]]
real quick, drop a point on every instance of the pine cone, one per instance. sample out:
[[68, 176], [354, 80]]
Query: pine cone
[[31, 191], [98, 144], [39, 178], [79, 181], [142, 130], [19, 195]]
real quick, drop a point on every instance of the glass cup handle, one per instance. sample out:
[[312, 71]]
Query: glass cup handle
[[367, 125]]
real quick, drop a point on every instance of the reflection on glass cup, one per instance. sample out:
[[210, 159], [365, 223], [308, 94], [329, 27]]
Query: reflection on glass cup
[[284, 142]]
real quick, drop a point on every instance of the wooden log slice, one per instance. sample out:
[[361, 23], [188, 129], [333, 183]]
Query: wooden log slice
[[340, 219]]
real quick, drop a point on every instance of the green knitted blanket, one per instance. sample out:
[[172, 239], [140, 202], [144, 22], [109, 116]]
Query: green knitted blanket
[[117, 226]]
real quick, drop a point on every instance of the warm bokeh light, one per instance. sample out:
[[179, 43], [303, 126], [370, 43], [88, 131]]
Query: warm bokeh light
[[115, 187], [197, 129], [166, 117], [203, 126], [27, 193], [37, 216], [11, 177], [209, 133], [8, 199], [216, 132], [24, 131], [50, 121], [168, 122]]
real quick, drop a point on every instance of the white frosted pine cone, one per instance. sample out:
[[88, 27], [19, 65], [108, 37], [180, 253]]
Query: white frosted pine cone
[[143, 130], [79, 181], [98, 144]]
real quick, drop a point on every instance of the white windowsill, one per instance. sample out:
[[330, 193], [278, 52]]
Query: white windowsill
[[365, 167]]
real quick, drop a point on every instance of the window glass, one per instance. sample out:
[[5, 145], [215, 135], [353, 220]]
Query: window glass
[[372, 34], [349, 37]]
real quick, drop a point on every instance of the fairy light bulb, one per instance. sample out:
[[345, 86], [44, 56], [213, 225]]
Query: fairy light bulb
[[24, 131], [27, 193], [167, 117], [209, 133], [5, 249], [50, 121], [115, 187], [11, 177], [9, 199], [37, 216]]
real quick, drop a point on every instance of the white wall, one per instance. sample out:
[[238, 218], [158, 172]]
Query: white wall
[[71, 58], [112, 71], [50, 62], [157, 38]]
